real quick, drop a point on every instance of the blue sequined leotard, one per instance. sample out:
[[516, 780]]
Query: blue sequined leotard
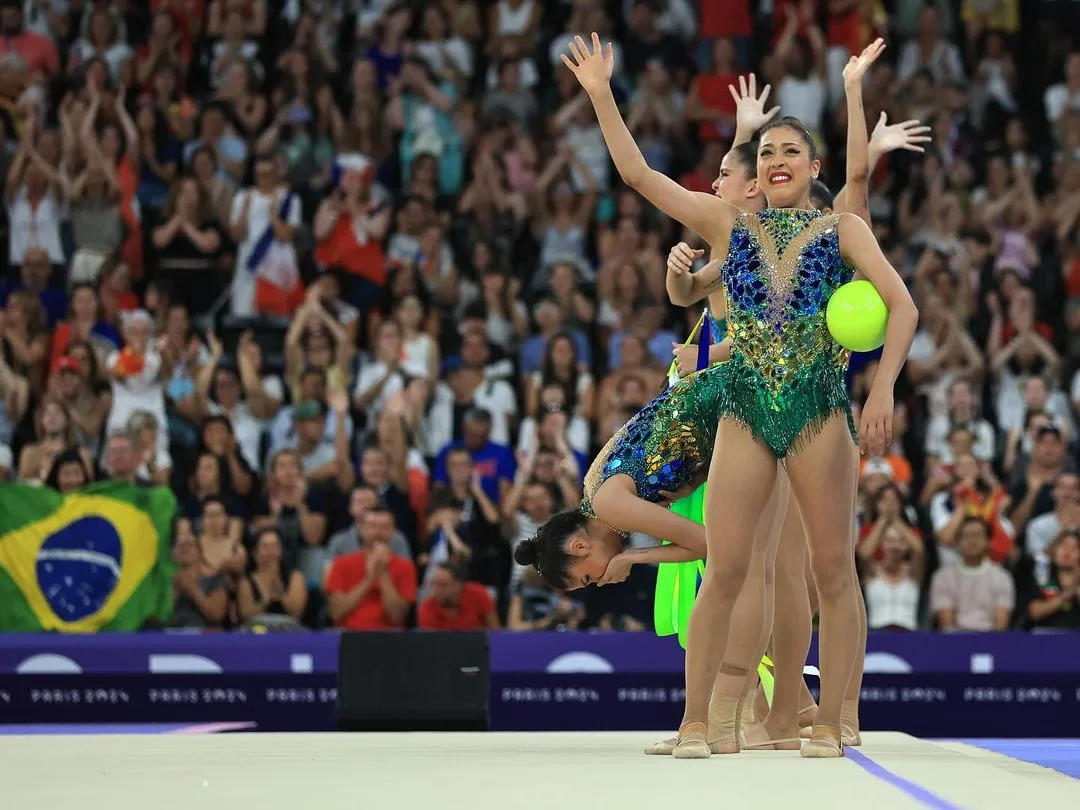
[[786, 374], [665, 444]]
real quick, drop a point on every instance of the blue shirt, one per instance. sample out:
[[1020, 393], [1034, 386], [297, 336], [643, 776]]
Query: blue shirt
[[660, 346], [532, 351], [493, 462], [53, 301], [229, 149]]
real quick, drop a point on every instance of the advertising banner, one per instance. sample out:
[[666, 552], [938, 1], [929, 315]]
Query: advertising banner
[[926, 684]]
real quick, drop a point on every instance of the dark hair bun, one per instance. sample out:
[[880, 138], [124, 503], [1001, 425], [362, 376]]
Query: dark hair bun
[[527, 552]]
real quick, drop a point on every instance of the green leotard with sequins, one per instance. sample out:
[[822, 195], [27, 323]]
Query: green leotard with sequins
[[786, 376], [665, 444]]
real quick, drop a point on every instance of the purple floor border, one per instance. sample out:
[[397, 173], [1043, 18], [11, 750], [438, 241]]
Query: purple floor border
[[124, 728]]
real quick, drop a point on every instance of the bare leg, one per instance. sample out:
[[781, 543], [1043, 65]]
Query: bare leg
[[741, 478], [790, 634], [808, 715], [823, 480], [751, 620], [753, 609], [849, 712]]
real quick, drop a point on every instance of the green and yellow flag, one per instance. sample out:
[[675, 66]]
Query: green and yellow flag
[[96, 559]]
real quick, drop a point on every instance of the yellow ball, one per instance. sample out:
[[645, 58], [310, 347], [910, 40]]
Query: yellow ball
[[857, 317]]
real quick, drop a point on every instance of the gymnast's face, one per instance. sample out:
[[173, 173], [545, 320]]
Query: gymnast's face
[[737, 184], [591, 558], [784, 169]]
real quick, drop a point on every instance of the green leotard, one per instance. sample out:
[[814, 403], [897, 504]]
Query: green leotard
[[786, 376]]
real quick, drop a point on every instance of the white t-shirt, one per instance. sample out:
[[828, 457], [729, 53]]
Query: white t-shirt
[[370, 374], [144, 391], [937, 439], [418, 354], [892, 604], [1040, 533], [577, 435], [243, 285], [803, 98], [944, 62], [1057, 100], [494, 396], [247, 427], [593, 153], [114, 57], [454, 53], [34, 227], [1009, 403]]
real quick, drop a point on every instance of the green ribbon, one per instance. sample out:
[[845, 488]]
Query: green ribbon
[[676, 588]]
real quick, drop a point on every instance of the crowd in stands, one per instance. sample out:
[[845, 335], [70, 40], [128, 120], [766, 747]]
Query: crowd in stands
[[356, 279]]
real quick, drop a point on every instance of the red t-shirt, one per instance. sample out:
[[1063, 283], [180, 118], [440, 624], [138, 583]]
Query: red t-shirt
[[726, 19], [712, 89], [848, 30], [780, 17], [697, 181], [348, 571], [342, 249], [38, 52], [1008, 332], [473, 609]]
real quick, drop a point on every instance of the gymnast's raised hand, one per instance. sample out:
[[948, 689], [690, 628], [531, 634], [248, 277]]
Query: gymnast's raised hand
[[593, 68]]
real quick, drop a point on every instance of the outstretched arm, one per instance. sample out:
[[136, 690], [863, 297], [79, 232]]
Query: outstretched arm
[[857, 198], [886, 137], [860, 249], [708, 216]]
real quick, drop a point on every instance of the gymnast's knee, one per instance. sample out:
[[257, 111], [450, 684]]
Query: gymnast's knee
[[725, 581], [832, 573]]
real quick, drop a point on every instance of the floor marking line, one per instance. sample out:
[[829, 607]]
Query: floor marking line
[[915, 791]]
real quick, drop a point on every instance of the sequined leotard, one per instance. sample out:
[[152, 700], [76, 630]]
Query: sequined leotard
[[786, 374], [664, 444]]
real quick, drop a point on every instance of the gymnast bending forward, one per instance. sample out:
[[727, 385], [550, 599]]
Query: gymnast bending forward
[[782, 397]]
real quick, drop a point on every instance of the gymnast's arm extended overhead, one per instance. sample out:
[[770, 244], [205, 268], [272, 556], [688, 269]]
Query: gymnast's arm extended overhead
[[863, 155], [854, 197], [706, 215]]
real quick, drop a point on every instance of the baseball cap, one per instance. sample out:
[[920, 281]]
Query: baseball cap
[[877, 466], [306, 410]]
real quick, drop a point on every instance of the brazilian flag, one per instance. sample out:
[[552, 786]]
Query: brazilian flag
[[95, 559]]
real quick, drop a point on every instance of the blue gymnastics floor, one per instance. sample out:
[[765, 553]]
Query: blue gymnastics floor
[[1060, 755]]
